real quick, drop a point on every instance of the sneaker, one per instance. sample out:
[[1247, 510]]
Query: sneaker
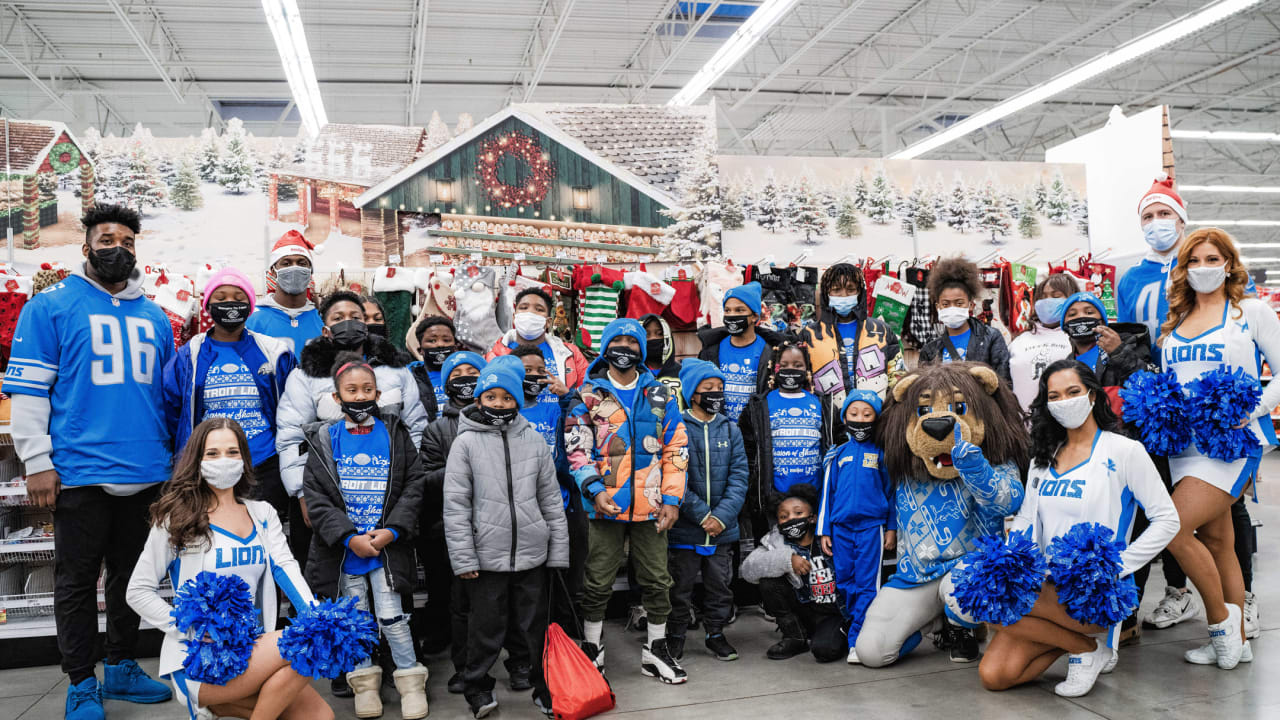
[[518, 678], [594, 653], [1205, 655], [457, 685], [129, 682], [787, 648], [961, 641], [656, 661], [339, 688], [720, 647], [853, 657], [1251, 627], [84, 701], [1083, 671], [1226, 640], [542, 701], [676, 646], [1176, 606], [482, 703]]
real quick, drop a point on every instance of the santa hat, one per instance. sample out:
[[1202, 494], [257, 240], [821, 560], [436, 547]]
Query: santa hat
[[291, 243], [1162, 192]]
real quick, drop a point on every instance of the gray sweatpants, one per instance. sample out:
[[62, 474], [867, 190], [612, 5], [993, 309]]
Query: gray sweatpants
[[896, 613]]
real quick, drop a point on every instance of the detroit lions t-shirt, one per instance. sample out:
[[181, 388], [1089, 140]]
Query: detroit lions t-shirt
[[437, 384], [849, 344], [741, 366], [961, 342], [544, 417], [229, 391], [364, 467], [795, 422]]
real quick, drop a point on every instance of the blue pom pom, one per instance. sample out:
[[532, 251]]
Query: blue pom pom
[[999, 582], [329, 638], [1216, 402], [1155, 403], [217, 614], [1085, 565]]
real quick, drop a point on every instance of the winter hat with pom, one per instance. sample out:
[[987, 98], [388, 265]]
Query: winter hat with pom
[[228, 276]]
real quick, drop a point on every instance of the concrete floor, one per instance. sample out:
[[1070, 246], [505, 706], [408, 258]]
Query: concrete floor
[[1152, 680]]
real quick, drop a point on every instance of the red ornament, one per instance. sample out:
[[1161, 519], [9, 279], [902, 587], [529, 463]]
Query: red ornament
[[532, 189]]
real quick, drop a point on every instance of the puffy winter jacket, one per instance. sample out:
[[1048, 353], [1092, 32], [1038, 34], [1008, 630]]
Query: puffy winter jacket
[[308, 397], [268, 358], [986, 345], [502, 507], [330, 524], [879, 363], [770, 559], [571, 366], [716, 483]]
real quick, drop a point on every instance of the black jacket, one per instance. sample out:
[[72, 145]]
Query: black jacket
[[669, 372], [712, 337], [426, 390], [986, 345], [330, 524], [1133, 355], [436, 441]]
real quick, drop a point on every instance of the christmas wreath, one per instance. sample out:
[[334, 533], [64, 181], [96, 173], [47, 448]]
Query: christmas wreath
[[539, 169], [64, 157]]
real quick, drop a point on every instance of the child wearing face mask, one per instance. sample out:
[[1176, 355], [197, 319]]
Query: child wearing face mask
[[716, 489], [504, 523], [954, 285], [1112, 352], [566, 364], [857, 519], [232, 372], [786, 432], [797, 580], [364, 485], [1033, 351], [742, 350], [437, 340]]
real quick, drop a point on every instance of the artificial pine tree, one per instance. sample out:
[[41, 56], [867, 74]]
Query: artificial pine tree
[[747, 194], [185, 192], [281, 156], [109, 174], [881, 199], [731, 215], [143, 186], [847, 221], [1040, 197], [807, 214], [958, 214], [860, 192], [236, 167], [91, 142], [1080, 214], [915, 211], [437, 132], [465, 123], [1028, 225], [695, 234], [769, 205], [208, 154], [830, 202], [994, 218], [1058, 203]]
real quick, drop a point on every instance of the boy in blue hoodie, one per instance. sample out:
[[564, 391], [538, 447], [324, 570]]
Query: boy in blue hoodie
[[857, 516], [715, 490]]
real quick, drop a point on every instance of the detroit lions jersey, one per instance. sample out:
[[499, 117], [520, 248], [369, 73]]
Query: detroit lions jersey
[[230, 554], [98, 359]]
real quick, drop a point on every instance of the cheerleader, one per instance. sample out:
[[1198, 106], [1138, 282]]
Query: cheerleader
[[1212, 324], [202, 522], [1081, 471]]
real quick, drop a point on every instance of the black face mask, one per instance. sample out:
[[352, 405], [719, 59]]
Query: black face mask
[[654, 350], [349, 333], [461, 390], [794, 529], [360, 411], [434, 357], [711, 401], [791, 379], [497, 417], [532, 386], [737, 324], [229, 315], [861, 430], [113, 264], [622, 358], [379, 329], [1081, 328]]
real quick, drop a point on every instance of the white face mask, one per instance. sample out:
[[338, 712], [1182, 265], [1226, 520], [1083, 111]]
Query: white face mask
[[1161, 233], [953, 317], [1071, 413], [530, 326], [1207, 279], [222, 473]]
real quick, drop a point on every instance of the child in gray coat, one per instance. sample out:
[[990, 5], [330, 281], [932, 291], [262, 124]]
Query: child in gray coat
[[504, 523]]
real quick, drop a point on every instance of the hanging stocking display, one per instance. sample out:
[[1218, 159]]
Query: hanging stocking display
[[393, 287], [14, 294], [893, 299], [1018, 302], [599, 289], [682, 313], [646, 294], [719, 278]]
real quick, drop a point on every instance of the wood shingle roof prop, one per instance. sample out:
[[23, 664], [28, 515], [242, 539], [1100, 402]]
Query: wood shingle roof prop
[[361, 155], [30, 142]]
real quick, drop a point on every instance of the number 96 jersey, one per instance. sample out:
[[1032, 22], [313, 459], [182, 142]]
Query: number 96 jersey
[[99, 360]]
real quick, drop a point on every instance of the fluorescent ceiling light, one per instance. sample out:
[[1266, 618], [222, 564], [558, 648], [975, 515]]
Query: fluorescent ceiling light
[[1250, 223], [1139, 46], [1267, 246], [1234, 135], [765, 17], [291, 42], [1229, 188]]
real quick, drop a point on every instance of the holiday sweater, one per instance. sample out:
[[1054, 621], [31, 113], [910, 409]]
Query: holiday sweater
[[363, 461], [741, 368], [795, 423]]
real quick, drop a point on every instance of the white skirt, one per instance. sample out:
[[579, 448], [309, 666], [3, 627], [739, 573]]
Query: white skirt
[[1229, 477]]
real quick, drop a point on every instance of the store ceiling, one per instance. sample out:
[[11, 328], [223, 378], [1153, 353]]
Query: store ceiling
[[842, 77]]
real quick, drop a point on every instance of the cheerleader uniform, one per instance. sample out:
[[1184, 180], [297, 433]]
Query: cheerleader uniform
[[262, 559], [1107, 488], [1241, 340]]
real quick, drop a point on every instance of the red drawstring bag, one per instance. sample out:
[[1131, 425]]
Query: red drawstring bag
[[578, 690]]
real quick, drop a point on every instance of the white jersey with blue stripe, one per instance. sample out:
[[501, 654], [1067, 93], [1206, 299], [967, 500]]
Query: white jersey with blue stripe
[[1107, 488]]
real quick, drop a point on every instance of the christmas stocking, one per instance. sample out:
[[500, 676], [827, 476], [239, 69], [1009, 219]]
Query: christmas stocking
[[599, 289], [646, 294], [393, 288], [13, 297], [682, 313]]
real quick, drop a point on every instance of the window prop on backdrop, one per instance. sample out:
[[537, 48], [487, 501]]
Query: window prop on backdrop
[[539, 170]]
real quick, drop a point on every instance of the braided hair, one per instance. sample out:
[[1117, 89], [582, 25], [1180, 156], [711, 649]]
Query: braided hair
[[782, 347]]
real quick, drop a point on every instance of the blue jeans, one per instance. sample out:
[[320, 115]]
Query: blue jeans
[[388, 610]]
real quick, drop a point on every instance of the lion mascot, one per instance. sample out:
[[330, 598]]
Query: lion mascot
[[955, 447]]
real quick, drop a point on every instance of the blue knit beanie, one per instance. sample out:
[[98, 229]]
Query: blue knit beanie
[[501, 372], [866, 396], [463, 357], [692, 372], [1087, 297], [748, 294]]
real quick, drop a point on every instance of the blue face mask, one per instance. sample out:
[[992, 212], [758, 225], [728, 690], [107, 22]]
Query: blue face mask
[[1049, 310], [1161, 234], [843, 305]]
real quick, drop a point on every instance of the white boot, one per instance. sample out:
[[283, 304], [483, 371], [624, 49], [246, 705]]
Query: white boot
[[366, 683], [412, 686]]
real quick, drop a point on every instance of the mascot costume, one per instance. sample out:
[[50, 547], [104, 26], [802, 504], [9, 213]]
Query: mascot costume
[[955, 448]]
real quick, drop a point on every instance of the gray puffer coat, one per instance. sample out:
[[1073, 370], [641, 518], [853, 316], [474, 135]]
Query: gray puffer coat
[[502, 506]]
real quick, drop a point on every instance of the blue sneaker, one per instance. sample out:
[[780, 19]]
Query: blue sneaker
[[84, 701], [127, 681]]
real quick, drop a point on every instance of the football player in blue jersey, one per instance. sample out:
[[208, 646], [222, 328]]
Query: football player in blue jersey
[[86, 350]]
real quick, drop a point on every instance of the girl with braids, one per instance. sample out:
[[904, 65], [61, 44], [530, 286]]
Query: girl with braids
[[786, 431], [845, 348]]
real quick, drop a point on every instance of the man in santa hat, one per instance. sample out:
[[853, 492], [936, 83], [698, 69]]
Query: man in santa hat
[[286, 312], [1142, 293]]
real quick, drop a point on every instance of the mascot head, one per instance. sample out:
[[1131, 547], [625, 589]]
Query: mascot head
[[917, 428]]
